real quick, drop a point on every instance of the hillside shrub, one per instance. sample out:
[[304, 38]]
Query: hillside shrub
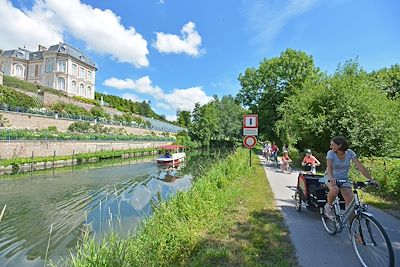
[[12, 98], [70, 109], [86, 100], [28, 86]]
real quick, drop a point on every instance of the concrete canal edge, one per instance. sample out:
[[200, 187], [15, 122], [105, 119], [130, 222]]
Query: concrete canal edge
[[48, 160]]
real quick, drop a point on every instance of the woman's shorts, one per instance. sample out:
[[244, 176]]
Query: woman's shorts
[[324, 180]]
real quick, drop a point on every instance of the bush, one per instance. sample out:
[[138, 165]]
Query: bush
[[98, 112], [387, 172], [80, 127], [86, 100], [66, 109], [52, 129], [10, 97]]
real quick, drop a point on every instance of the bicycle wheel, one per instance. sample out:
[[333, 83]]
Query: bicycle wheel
[[329, 225], [297, 201], [370, 242], [289, 170]]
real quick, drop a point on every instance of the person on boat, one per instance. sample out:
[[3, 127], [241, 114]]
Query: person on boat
[[310, 160], [167, 155]]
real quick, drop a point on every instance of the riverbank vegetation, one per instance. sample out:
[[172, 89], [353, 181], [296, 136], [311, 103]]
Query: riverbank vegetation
[[217, 122], [79, 131], [17, 163], [179, 231]]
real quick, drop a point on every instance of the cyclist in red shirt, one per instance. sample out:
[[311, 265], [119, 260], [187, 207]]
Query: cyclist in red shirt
[[310, 160]]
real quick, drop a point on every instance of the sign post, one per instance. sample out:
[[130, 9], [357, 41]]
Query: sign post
[[250, 129]]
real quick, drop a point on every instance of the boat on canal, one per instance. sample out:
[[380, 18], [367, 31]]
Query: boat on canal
[[171, 155]]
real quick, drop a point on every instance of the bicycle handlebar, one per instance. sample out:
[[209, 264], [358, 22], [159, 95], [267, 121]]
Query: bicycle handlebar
[[357, 184]]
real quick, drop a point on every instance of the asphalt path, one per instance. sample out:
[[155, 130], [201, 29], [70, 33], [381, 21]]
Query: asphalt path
[[314, 246]]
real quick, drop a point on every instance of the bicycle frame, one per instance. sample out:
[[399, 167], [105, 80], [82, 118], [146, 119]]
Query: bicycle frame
[[354, 208]]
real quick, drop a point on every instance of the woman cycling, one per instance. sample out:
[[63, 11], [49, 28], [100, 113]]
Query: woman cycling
[[338, 161], [310, 160]]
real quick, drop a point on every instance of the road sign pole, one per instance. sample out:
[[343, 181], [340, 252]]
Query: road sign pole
[[250, 156]]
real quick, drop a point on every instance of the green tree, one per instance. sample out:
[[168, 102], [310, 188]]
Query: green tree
[[265, 88], [388, 80], [345, 104], [183, 118], [218, 121]]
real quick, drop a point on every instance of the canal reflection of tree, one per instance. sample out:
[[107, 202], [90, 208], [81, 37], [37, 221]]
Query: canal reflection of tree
[[72, 201]]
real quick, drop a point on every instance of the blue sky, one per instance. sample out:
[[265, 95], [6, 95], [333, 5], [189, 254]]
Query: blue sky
[[176, 53]]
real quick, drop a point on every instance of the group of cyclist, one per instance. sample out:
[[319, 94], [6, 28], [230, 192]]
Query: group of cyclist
[[270, 153], [338, 161]]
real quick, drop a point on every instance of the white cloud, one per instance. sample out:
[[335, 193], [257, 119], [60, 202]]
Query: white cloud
[[18, 28], [132, 97], [183, 99], [171, 117], [101, 30], [188, 43], [142, 85], [266, 19]]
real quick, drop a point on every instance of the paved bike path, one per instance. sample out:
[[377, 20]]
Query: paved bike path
[[314, 246]]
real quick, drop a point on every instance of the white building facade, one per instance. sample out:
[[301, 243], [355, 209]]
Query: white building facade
[[61, 67]]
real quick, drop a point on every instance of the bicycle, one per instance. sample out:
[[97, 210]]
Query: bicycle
[[274, 160], [370, 242], [286, 168]]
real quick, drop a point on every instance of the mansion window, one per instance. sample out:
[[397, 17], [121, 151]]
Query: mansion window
[[19, 70], [61, 84], [89, 76], [82, 73], [81, 89], [73, 87], [49, 64], [31, 71], [62, 65], [74, 69], [88, 92]]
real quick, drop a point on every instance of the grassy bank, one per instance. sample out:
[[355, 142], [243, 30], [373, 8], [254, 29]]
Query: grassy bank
[[227, 218]]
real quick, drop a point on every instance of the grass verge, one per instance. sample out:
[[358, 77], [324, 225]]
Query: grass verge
[[250, 232], [227, 218]]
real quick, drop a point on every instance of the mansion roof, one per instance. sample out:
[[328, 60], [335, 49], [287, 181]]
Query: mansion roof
[[61, 48]]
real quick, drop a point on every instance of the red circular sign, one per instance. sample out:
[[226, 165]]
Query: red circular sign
[[250, 141]]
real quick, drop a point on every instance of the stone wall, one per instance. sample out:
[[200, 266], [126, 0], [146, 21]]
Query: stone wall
[[28, 121], [24, 149]]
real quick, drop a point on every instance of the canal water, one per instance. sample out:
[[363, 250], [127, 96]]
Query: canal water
[[47, 213]]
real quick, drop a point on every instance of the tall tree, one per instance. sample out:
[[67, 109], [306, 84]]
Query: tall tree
[[347, 104], [183, 118], [265, 88]]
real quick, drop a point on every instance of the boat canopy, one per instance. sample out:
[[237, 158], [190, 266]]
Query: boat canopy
[[171, 147]]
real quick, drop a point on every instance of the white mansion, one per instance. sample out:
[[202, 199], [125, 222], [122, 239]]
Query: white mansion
[[60, 67]]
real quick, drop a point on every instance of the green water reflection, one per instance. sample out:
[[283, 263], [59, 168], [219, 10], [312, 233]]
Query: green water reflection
[[108, 196]]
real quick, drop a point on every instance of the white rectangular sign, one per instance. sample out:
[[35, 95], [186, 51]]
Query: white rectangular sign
[[250, 131]]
